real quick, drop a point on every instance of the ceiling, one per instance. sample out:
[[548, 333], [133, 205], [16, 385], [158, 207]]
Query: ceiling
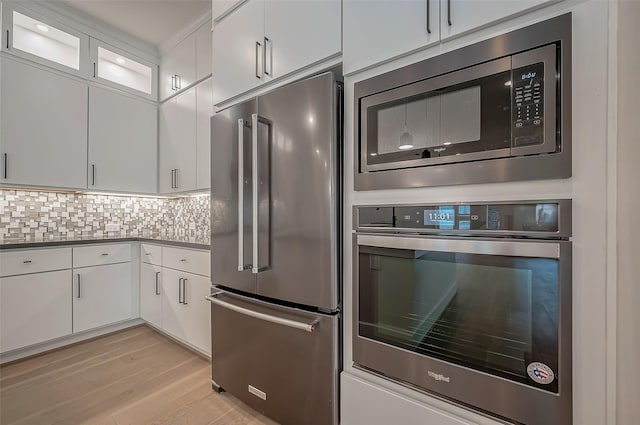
[[153, 21]]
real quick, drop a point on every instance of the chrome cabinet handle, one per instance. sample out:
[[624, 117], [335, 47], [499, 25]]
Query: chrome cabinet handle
[[6, 162], [173, 82], [309, 327], [184, 291], [183, 260], [78, 285], [93, 174], [178, 82], [94, 70], [8, 39], [104, 254], [449, 12], [27, 262], [258, 48], [180, 291], [177, 178], [428, 18], [267, 43], [157, 285]]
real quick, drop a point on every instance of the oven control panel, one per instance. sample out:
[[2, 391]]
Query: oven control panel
[[527, 217], [528, 105]]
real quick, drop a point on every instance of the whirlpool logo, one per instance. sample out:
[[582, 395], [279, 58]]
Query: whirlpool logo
[[438, 376]]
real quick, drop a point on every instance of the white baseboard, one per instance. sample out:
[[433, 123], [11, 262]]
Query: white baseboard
[[179, 341], [32, 350]]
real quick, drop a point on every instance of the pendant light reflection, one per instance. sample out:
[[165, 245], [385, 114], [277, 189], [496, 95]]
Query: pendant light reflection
[[406, 139]]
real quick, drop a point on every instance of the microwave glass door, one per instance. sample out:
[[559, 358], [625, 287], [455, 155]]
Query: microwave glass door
[[496, 313], [496, 109]]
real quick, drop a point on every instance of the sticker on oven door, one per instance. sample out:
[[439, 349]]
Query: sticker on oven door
[[540, 372]]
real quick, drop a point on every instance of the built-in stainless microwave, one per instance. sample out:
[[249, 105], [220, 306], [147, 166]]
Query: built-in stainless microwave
[[495, 111]]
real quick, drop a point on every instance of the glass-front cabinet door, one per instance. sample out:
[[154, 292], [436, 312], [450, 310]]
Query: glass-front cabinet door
[[117, 68], [490, 306], [38, 38]]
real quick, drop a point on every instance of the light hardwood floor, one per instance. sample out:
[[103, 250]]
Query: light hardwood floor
[[135, 376]]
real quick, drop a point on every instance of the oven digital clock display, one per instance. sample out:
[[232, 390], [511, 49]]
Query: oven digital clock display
[[442, 218]]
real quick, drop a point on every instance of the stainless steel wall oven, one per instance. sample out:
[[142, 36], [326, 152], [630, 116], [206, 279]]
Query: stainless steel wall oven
[[495, 111], [471, 302]]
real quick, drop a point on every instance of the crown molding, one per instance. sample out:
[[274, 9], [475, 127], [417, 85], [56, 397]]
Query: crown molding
[[192, 26]]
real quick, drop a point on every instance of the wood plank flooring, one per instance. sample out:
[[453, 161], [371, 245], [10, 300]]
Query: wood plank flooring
[[136, 376]]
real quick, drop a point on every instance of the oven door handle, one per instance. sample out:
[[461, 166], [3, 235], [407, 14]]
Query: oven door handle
[[309, 327], [487, 247]]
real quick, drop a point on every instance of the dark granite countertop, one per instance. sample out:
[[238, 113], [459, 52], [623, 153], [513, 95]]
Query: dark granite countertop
[[198, 242]]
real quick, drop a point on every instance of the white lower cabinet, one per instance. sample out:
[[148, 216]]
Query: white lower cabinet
[[102, 295], [185, 312], [151, 293], [34, 308]]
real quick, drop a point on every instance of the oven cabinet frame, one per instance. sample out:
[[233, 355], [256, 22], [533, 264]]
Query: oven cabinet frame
[[490, 394], [486, 167]]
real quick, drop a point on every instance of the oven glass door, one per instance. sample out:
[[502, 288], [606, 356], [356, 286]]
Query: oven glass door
[[492, 306]]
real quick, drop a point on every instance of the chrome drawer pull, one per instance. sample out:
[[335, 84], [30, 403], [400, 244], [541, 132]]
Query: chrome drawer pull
[[27, 261]]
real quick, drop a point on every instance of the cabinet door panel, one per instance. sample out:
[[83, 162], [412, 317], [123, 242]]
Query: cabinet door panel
[[178, 143], [204, 96], [466, 15], [197, 318], [391, 28], [180, 61], [34, 308], [300, 33], [104, 296], [172, 309], [43, 127], [237, 65], [122, 142], [151, 293], [204, 48]]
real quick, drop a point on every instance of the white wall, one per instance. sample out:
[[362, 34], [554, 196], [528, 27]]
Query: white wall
[[628, 214], [587, 188]]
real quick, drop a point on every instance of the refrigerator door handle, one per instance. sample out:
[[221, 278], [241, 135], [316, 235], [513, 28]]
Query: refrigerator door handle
[[309, 327], [241, 265], [255, 119]]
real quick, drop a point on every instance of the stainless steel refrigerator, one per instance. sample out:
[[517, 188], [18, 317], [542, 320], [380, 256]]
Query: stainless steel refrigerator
[[275, 251]]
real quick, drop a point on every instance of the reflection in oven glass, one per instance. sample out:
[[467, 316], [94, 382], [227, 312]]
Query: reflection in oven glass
[[491, 313]]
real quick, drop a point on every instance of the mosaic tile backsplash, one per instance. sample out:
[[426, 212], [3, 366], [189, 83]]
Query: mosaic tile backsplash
[[35, 215]]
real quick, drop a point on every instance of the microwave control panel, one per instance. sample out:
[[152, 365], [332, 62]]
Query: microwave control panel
[[528, 105]]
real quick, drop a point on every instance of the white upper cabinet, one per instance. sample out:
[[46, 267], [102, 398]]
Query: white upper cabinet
[[204, 49], [41, 39], [263, 40], [117, 68], [43, 127], [460, 16], [299, 33], [177, 171], [204, 110], [375, 31], [178, 68], [237, 51], [123, 141], [188, 62]]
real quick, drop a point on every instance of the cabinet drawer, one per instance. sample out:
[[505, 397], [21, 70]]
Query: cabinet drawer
[[188, 260], [96, 255], [151, 254], [34, 261]]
